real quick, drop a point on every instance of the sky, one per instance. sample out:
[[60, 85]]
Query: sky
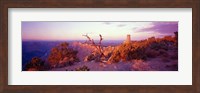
[[55, 31]]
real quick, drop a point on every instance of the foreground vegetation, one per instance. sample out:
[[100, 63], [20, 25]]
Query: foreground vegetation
[[62, 55]]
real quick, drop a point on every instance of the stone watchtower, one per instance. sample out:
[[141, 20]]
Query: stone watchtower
[[128, 39]]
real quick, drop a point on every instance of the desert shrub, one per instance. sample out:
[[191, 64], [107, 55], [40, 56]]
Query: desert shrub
[[163, 53], [151, 48], [36, 64], [150, 53], [83, 68], [107, 50], [127, 52], [116, 57], [159, 45], [55, 56], [62, 55], [93, 56], [169, 38], [136, 53], [151, 40], [66, 62]]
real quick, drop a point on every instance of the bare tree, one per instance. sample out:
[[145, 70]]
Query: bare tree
[[100, 39], [89, 39], [100, 48], [97, 46]]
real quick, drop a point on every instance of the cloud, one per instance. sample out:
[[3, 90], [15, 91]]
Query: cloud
[[160, 27]]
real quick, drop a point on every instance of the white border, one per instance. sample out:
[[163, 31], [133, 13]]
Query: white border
[[181, 77]]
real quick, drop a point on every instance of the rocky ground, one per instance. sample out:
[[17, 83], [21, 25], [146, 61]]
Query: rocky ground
[[147, 55], [135, 65], [159, 63]]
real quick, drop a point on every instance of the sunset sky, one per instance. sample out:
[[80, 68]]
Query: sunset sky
[[48, 31]]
